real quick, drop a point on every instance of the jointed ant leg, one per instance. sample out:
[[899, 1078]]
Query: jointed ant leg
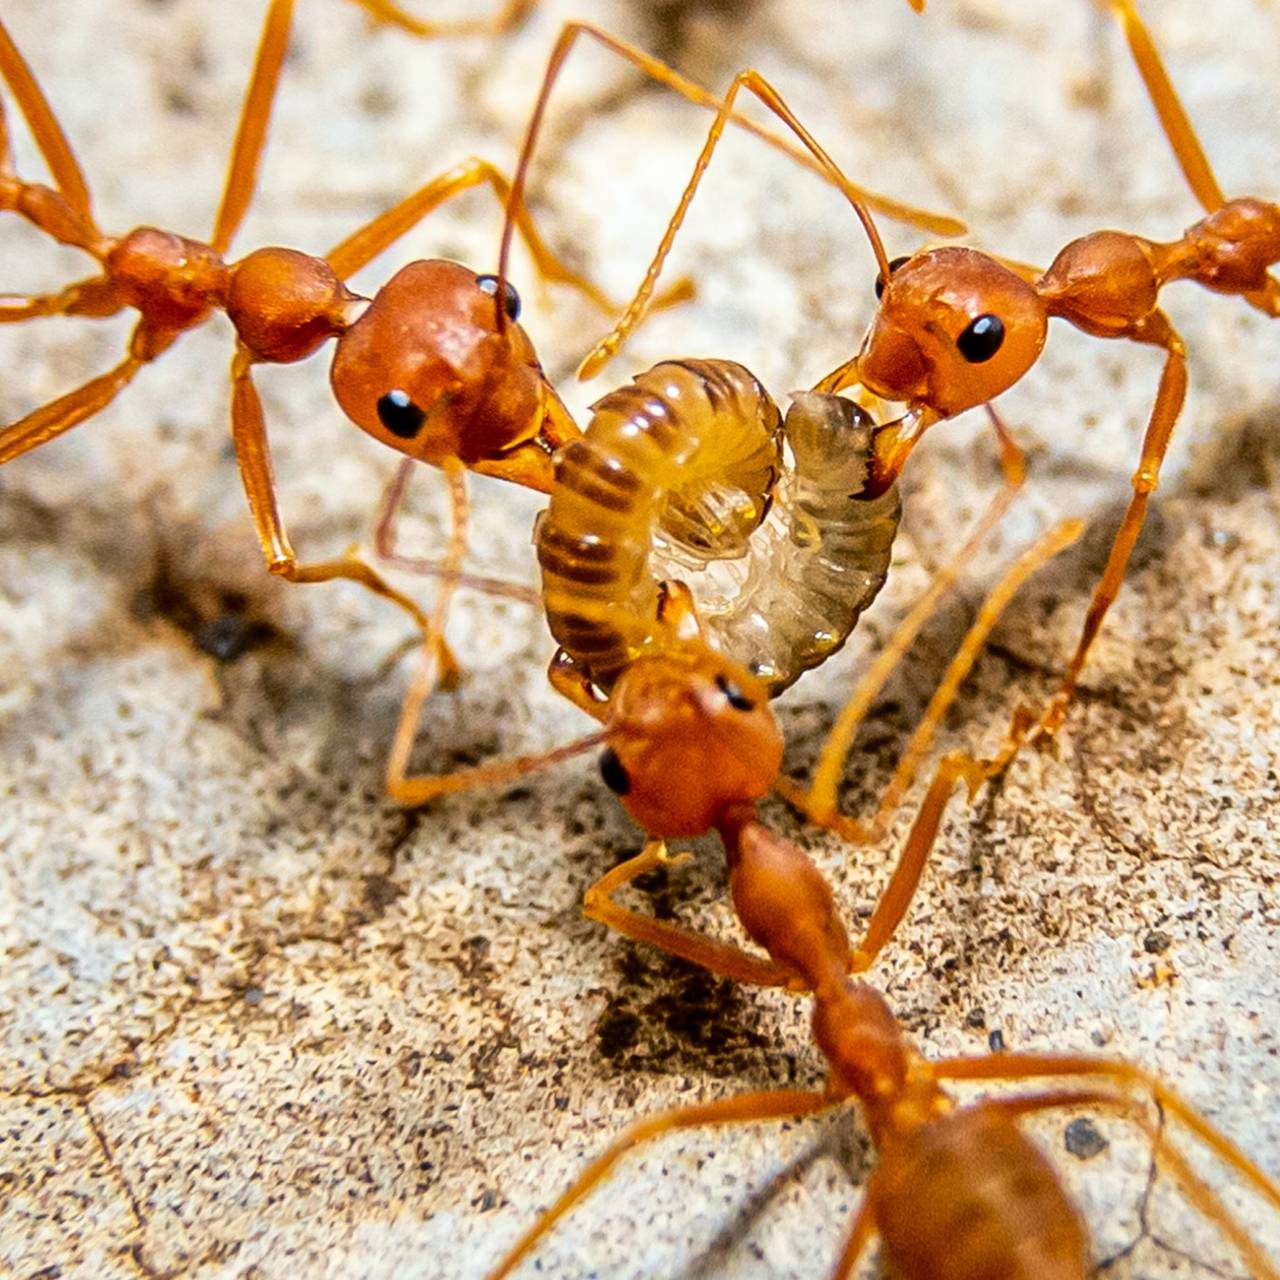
[[384, 545], [363, 245], [755, 83], [720, 957], [860, 1234], [750, 1107], [45, 129], [67, 411], [418, 789], [1180, 131], [1164, 413], [506, 17], [1173, 116], [255, 114], [819, 802], [253, 456], [958, 766]]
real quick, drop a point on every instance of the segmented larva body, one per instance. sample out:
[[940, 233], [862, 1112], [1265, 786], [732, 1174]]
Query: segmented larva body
[[675, 477], [818, 559], [691, 444]]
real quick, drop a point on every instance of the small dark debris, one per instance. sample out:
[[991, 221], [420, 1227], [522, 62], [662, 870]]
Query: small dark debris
[[976, 1018], [253, 996], [178, 102], [485, 1201], [231, 635], [995, 1041], [380, 893], [1156, 943], [1083, 1140], [617, 1031], [218, 621]]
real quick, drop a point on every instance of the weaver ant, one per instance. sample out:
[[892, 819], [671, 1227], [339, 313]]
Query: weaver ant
[[435, 365], [958, 1192], [955, 328]]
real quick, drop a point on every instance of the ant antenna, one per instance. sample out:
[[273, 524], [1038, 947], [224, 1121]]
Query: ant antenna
[[515, 195]]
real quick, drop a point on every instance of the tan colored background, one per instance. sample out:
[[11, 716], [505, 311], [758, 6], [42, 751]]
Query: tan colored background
[[256, 1022]]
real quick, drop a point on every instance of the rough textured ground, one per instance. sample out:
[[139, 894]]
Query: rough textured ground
[[255, 1021]]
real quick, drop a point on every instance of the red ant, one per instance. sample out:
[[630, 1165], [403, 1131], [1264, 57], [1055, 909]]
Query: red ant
[[434, 365], [691, 745], [958, 1192], [955, 328]]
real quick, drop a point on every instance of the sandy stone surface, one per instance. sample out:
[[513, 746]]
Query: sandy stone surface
[[255, 1021]]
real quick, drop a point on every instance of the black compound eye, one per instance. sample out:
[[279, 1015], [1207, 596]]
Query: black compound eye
[[737, 699], [893, 266], [510, 298], [400, 415], [982, 339], [614, 775]]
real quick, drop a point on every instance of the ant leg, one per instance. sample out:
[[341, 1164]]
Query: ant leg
[[363, 245], [1180, 132], [1022, 1066], [67, 411], [956, 767], [45, 129], [450, 574], [755, 83], [416, 790], [1164, 97], [1043, 550], [720, 957], [959, 766], [818, 803], [1170, 394], [253, 455], [747, 1108], [384, 543], [251, 132], [507, 17], [97, 297], [864, 1226]]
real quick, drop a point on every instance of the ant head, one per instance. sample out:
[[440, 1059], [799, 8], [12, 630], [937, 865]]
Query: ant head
[[689, 734], [432, 369], [954, 329]]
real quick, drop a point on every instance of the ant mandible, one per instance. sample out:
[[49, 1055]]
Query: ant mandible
[[955, 328]]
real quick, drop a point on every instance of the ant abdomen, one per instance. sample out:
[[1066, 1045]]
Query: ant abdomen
[[968, 1197]]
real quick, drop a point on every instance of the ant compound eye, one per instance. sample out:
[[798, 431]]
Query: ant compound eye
[[736, 698], [400, 415], [510, 298], [893, 266], [614, 775], [982, 339]]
